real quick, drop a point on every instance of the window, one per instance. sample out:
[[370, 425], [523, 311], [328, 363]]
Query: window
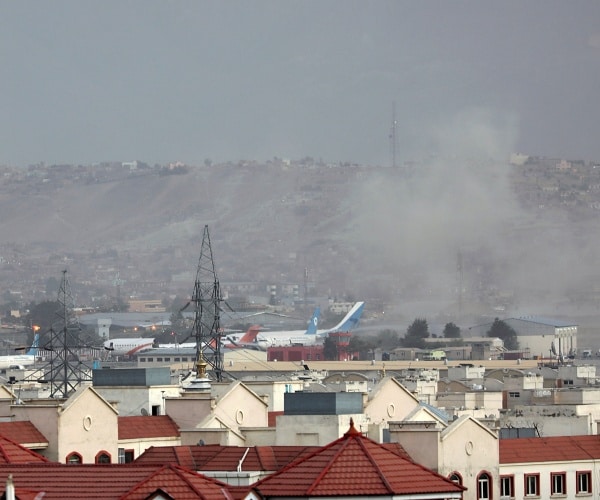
[[514, 394], [150, 359], [532, 485], [484, 486], [74, 458], [103, 458], [455, 477], [507, 486], [157, 359], [584, 482], [558, 485], [125, 456], [177, 360], [167, 359]]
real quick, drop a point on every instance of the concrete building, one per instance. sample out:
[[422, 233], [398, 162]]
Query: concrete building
[[464, 451], [136, 391], [80, 429], [539, 336]]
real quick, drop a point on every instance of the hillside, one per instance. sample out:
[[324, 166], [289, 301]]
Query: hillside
[[414, 235]]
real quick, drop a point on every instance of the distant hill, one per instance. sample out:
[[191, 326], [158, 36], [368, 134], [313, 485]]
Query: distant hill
[[416, 234]]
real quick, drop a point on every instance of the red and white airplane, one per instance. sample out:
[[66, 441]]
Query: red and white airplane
[[131, 346], [249, 340]]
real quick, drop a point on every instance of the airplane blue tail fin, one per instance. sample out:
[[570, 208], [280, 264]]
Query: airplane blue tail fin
[[350, 320], [314, 322], [34, 346]]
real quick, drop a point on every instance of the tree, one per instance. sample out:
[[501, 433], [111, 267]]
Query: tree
[[503, 331], [330, 351], [44, 314], [451, 331], [416, 334], [388, 339], [364, 346]]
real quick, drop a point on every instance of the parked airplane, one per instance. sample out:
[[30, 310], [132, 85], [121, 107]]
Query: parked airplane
[[312, 334], [127, 347], [19, 360], [249, 340], [130, 346], [287, 337], [348, 322]]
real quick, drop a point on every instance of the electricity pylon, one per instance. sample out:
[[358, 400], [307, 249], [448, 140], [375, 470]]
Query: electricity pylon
[[65, 372], [207, 304]]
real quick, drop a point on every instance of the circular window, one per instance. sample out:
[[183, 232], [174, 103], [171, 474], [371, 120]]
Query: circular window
[[239, 416], [469, 447], [87, 422], [391, 410]]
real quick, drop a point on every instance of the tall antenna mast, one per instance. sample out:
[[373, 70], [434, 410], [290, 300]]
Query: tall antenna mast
[[207, 327], [393, 135], [306, 290], [459, 269]]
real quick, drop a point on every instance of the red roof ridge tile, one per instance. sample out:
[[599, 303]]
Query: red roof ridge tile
[[352, 431]]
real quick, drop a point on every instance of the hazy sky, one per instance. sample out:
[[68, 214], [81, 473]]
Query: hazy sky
[[87, 81]]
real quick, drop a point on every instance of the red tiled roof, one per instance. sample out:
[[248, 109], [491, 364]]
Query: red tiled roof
[[22, 432], [354, 465], [110, 481], [13, 453], [156, 426], [225, 458], [549, 449], [180, 484]]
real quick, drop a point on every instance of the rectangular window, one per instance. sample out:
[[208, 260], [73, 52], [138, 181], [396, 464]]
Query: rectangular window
[[150, 359], [177, 359], [158, 359], [507, 486], [584, 482], [125, 456], [558, 484], [167, 359], [532, 485], [513, 394]]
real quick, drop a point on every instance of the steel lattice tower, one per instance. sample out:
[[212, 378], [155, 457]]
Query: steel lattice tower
[[65, 372], [207, 301]]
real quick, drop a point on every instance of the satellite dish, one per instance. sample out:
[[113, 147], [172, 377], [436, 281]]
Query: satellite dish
[[144, 412]]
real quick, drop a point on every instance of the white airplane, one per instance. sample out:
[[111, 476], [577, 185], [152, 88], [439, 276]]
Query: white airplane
[[311, 335], [131, 346], [127, 347], [21, 360]]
